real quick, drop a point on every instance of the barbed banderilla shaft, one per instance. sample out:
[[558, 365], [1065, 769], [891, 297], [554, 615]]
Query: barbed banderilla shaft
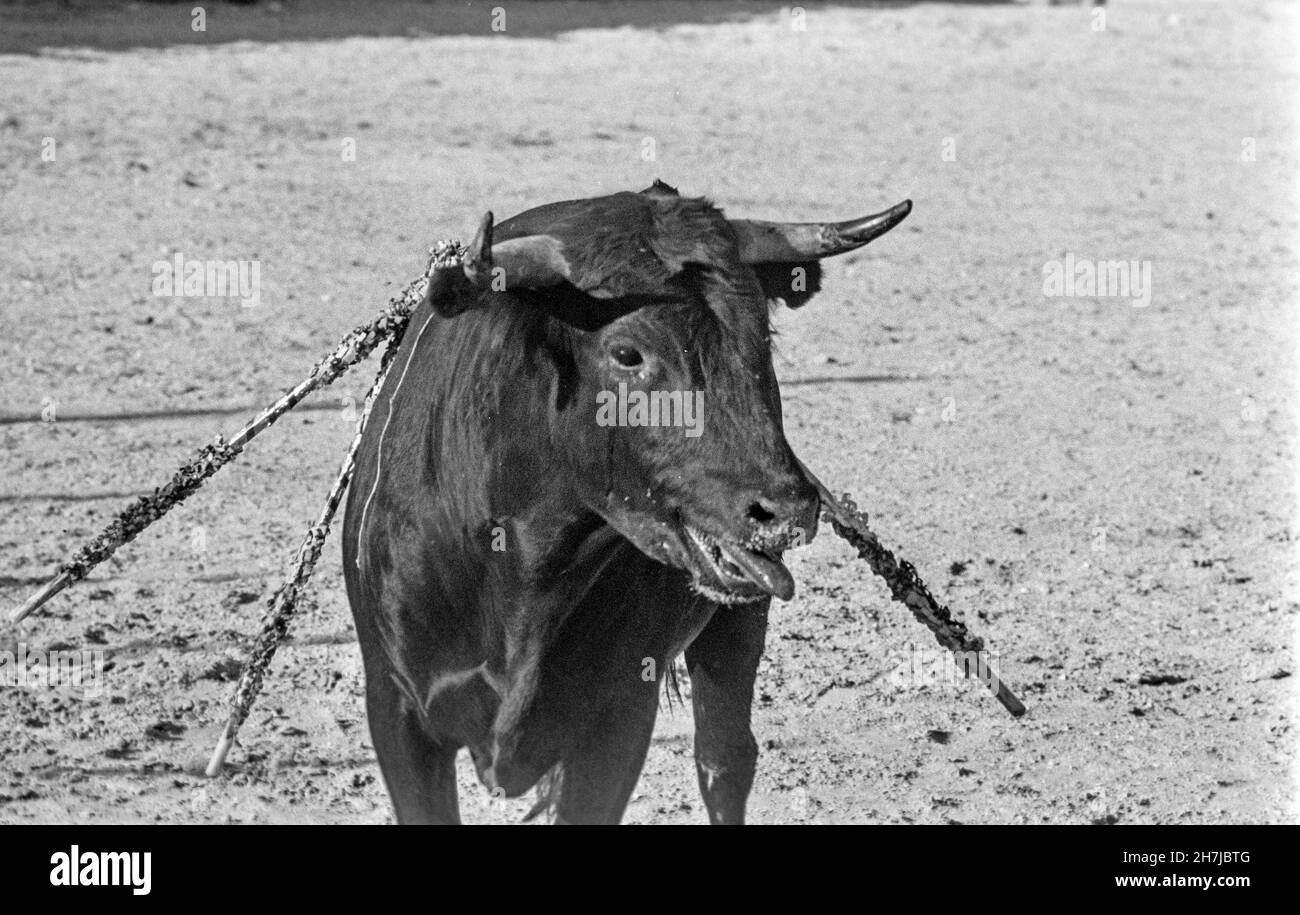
[[284, 603], [137, 516], [906, 587]]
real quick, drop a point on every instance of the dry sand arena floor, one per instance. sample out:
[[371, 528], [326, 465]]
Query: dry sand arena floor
[[1104, 491]]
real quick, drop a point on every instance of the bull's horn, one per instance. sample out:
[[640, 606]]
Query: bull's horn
[[524, 263], [477, 262], [792, 242], [532, 261]]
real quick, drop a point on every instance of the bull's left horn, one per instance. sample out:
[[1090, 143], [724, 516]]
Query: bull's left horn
[[792, 242]]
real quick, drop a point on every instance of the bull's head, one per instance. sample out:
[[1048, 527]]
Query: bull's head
[[659, 300]]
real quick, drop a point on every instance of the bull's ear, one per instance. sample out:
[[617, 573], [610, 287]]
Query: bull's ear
[[791, 284], [449, 292], [530, 262]]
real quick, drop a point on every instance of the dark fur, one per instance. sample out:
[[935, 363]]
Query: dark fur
[[533, 657]]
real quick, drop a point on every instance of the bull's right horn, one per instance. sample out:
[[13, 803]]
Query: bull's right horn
[[477, 262], [531, 262]]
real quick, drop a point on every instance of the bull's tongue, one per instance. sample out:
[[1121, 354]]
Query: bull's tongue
[[768, 574]]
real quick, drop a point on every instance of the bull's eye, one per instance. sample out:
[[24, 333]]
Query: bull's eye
[[626, 357]]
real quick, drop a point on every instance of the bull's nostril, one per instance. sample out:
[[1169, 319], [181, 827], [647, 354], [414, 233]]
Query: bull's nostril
[[759, 513]]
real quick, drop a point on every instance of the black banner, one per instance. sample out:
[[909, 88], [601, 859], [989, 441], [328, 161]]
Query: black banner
[[129, 864]]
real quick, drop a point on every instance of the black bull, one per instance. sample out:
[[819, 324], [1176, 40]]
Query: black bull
[[523, 568]]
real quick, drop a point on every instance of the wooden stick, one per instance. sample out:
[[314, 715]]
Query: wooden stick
[[284, 603], [906, 587], [137, 516]]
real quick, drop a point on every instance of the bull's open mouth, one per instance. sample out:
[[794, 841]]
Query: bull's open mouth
[[732, 573]]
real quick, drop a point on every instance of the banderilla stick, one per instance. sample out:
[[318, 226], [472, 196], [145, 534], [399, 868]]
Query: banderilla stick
[[906, 587], [284, 603], [137, 516]]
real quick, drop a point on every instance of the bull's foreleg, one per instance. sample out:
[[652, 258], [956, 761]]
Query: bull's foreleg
[[600, 773], [419, 773], [723, 662]]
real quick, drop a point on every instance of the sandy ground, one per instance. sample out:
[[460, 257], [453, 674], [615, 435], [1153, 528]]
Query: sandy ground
[[1104, 491]]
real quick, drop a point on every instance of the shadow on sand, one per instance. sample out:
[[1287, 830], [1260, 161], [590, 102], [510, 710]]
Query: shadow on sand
[[36, 26]]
